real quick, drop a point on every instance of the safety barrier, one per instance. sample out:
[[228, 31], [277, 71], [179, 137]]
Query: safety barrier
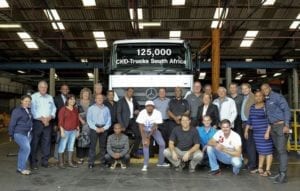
[[294, 141]]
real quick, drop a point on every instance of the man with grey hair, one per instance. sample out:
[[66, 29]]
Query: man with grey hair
[[226, 106], [43, 111], [195, 100]]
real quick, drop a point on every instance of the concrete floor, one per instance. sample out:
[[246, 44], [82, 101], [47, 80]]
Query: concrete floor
[[84, 179]]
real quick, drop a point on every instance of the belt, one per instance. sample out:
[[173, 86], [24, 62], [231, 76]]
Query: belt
[[277, 123]]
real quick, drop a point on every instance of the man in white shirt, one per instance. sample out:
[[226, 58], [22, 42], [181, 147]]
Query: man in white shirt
[[148, 120], [226, 106], [225, 146]]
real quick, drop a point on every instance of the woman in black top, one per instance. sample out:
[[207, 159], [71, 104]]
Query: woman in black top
[[20, 127], [207, 108]]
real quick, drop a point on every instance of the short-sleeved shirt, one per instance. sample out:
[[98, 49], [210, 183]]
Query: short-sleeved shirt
[[194, 102], [184, 140], [149, 120], [231, 142], [162, 106], [178, 107]]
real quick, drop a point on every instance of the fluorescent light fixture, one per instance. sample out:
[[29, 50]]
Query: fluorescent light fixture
[[52, 15], [10, 26], [289, 60], [99, 35], [55, 76], [60, 25], [250, 80], [246, 43], [101, 44], [4, 4], [21, 72], [24, 35], [248, 59], [178, 2], [295, 24], [88, 3], [209, 60], [277, 74], [90, 75], [174, 34], [84, 60], [31, 45], [217, 15], [43, 61], [239, 77], [202, 75], [268, 2], [251, 34], [263, 76], [139, 13], [149, 24]]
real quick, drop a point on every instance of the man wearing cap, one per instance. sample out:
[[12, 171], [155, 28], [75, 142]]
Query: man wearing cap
[[148, 120]]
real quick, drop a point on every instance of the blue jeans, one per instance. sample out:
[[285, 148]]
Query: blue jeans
[[214, 155], [24, 143], [160, 141], [67, 141]]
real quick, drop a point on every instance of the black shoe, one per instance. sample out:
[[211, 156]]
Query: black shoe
[[34, 167], [45, 165], [282, 178], [274, 177], [91, 166], [215, 172]]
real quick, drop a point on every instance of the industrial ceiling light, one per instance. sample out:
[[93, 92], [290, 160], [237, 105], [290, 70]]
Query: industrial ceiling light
[[52, 15], [277, 74], [248, 38], [295, 24], [99, 35], [251, 34], [139, 13], [268, 2], [202, 75], [31, 45], [219, 15], [24, 35], [101, 44], [178, 2], [248, 59], [43, 61], [239, 77], [289, 60], [246, 43], [4, 4], [88, 3], [10, 26], [90, 75], [175, 34], [84, 60], [149, 24], [263, 76], [21, 72]]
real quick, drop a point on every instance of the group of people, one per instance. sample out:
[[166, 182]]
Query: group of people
[[200, 128]]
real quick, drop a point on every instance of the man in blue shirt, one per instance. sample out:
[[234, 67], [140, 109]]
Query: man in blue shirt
[[205, 132], [99, 121], [43, 111], [279, 115]]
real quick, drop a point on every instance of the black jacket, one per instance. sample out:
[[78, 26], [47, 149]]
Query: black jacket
[[212, 111], [123, 112], [59, 103]]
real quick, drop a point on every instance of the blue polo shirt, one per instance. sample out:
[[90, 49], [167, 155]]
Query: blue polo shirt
[[204, 135]]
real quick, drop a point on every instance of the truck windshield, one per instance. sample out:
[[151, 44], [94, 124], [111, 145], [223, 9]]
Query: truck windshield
[[151, 56]]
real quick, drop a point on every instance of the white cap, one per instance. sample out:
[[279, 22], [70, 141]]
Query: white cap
[[149, 103]]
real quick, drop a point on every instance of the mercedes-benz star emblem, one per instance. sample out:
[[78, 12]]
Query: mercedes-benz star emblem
[[151, 93]]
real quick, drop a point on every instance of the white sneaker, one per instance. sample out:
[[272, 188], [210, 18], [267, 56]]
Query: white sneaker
[[123, 166], [145, 168], [163, 165]]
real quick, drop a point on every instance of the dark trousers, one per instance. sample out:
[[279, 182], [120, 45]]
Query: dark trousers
[[132, 126], [94, 136], [110, 160], [280, 141], [251, 150], [171, 125], [41, 135]]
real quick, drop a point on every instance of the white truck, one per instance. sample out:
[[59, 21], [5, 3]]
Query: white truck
[[148, 64]]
